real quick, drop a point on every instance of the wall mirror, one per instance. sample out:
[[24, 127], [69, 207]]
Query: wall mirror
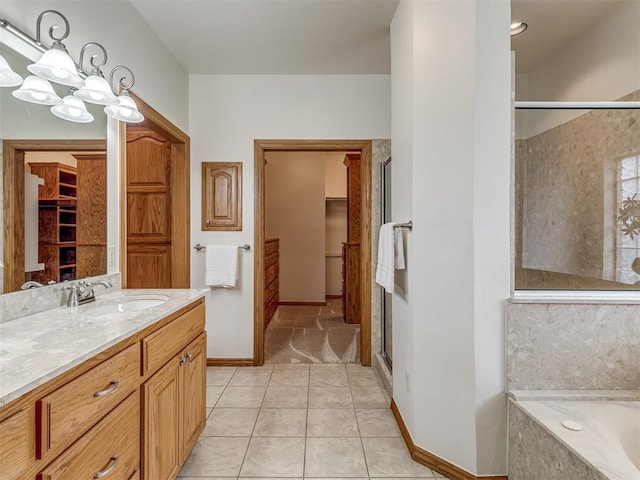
[[50, 235], [577, 171]]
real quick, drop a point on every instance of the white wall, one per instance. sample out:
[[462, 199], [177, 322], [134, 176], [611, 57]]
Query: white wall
[[602, 64], [295, 213], [451, 143], [226, 114]]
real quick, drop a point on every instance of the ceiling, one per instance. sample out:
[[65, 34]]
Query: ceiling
[[274, 36], [331, 36], [553, 24]]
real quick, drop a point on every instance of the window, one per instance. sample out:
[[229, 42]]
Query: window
[[627, 238]]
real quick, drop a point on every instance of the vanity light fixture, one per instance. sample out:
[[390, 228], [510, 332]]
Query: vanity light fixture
[[37, 90], [55, 64], [8, 78], [72, 109], [517, 28], [126, 109], [96, 89]]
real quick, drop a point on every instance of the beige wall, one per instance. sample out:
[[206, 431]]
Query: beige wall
[[295, 212], [335, 175]]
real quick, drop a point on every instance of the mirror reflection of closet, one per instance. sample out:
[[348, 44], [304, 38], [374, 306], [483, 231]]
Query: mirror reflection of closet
[[387, 324]]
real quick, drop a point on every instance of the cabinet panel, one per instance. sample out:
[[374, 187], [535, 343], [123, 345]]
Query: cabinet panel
[[71, 410], [152, 160], [161, 451], [91, 260], [148, 217], [16, 444], [160, 346], [222, 196], [113, 446], [194, 393], [148, 266]]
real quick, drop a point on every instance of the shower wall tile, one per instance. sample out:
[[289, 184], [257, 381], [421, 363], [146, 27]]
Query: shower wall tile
[[573, 346]]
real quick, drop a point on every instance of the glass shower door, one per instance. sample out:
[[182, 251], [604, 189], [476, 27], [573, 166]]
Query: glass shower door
[[387, 324]]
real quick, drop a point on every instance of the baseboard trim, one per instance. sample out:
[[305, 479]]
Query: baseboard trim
[[333, 296], [229, 362], [432, 461], [304, 304]]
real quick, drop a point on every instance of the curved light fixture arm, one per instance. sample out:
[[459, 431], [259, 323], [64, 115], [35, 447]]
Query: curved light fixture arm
[[95, 65], [122, 82], [57, 41]]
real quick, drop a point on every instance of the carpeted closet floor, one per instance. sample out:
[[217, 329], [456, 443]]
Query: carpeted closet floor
[[310, 334]]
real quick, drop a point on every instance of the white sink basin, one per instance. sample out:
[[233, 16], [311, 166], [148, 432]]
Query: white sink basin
[[128, 304]]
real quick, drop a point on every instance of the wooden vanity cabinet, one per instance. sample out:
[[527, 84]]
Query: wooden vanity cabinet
[[17, 440], [174, 401], [132, 412]]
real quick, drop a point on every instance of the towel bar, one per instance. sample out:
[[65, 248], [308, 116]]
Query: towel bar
[[199, 247], [408, 225]]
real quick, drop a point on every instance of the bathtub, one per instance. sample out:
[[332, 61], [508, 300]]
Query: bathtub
[[608, 443]]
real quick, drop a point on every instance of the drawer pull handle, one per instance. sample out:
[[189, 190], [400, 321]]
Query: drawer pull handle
[[112, 386], [186, 358], [109, 469]]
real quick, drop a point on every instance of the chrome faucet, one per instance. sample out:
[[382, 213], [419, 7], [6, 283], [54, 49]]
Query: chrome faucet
[[83, 292], [34, 284]]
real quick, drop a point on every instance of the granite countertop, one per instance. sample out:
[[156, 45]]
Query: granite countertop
[[36, 348], [582, 395]]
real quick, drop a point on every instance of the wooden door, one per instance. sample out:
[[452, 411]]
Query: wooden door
[[148, 209], [161, 442], [193, 384]]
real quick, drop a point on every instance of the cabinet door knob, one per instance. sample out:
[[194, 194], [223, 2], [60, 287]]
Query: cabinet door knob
[[112, 386], [109, 469]]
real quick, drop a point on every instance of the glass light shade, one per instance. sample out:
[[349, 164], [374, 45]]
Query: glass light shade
[[72, 109], [96, 90], [57, 66], [125, 110], [8, 78], [37, 90]]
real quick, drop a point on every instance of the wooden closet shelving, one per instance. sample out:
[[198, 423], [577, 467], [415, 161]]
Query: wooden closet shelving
[[271, 278]]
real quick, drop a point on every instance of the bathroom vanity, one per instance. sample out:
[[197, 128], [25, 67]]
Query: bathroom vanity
[[115, 389]]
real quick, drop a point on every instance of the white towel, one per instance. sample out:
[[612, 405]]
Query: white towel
[[221, 266], [390, 255]]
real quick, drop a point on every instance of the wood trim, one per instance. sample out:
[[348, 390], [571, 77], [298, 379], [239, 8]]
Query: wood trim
[[260, 147], [13, 198], [432, 461], [229, 362], [180, 193], [309, 304]]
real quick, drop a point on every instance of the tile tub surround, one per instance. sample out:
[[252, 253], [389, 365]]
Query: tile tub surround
[[39, 347], [531, 449], [573, 346], [538, 441], [34, 300], [294, 428]]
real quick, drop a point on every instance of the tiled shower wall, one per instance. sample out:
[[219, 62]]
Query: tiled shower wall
[[573, 346]]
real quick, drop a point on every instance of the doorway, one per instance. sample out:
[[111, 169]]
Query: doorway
[[155, 212], [14, 167], [364, 149]]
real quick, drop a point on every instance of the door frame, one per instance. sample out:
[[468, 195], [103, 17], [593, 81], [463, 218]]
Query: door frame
[[13, 197], [180, 193], [262, 146]]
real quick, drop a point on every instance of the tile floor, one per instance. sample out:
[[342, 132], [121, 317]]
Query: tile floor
[[299, 421]]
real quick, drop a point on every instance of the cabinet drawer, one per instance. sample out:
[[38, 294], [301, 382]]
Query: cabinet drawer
[[160, 346], [71, 410], [111, 447], [16, 444]]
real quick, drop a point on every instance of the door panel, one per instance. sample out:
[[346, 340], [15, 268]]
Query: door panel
[[147, 218], [148, 266]]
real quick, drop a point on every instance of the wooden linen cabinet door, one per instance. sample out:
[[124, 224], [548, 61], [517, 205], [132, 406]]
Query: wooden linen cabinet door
[[148, 209], [161, 441], [194, 393]]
